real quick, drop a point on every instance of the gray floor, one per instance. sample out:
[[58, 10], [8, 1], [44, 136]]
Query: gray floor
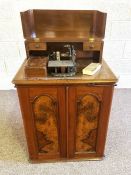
[[13, 149]]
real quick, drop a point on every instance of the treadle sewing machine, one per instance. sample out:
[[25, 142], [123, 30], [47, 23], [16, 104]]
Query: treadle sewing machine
[[65, 113]]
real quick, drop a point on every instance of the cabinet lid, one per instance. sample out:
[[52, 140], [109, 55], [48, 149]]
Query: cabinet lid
[[59, 25], [103, 77]]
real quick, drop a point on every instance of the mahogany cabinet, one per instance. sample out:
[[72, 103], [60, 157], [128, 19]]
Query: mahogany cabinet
[[65, 113], [65, 121]]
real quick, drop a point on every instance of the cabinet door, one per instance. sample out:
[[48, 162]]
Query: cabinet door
[[48, 128], [88, 109]]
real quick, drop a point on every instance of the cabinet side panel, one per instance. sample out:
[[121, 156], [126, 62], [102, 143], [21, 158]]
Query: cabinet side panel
[[28, 121], [104, 119], [100, 24], [26, 23]]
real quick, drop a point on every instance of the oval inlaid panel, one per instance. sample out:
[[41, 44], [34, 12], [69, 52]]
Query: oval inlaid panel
[[86, 127], [46, 124]]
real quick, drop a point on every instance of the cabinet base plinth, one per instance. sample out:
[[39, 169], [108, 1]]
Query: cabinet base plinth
[[66, 160]]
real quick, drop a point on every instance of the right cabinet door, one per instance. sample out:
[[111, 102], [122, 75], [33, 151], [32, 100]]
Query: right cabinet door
[[88, 113]]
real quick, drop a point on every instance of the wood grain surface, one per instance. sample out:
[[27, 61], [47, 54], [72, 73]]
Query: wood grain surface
[[56, 25], [88, 108], [45, 114]]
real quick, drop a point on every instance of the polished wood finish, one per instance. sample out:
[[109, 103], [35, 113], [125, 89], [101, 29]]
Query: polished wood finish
[[92, 46], [36, 46], [45, 115], [36, 67], [88, 108], [105, 75], [65, 118], [78, 101], [65, 121], [88, 125], [60, 25]]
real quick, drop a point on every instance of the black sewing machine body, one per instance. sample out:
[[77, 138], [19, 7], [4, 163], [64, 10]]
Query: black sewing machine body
[[62, 63]]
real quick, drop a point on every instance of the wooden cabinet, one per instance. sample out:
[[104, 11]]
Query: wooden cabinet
[[65, 113], [65, 122]]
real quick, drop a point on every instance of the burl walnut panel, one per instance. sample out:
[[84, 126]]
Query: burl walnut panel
[[88, 108], [45, 113]]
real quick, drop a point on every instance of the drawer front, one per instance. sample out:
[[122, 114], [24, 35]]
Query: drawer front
[[36, 46], [89, 46]]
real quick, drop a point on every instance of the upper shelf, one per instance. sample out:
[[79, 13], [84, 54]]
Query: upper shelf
[[63, 25]]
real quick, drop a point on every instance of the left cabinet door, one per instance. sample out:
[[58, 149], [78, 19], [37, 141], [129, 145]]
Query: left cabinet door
[[43, 110]]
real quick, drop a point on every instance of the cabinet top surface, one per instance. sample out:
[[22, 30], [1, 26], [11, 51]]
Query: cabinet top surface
[[104, 76], [59, 25]]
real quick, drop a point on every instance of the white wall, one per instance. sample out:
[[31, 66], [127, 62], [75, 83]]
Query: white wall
[[117, 48]]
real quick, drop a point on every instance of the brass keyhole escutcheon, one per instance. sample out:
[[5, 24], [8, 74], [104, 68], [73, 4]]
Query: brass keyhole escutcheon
[[37, 45], [91, 46]]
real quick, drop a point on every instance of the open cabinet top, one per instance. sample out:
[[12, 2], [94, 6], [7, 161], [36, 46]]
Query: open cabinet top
[[63, 25]]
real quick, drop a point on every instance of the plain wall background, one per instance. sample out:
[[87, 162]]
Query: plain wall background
[[117, 47]]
